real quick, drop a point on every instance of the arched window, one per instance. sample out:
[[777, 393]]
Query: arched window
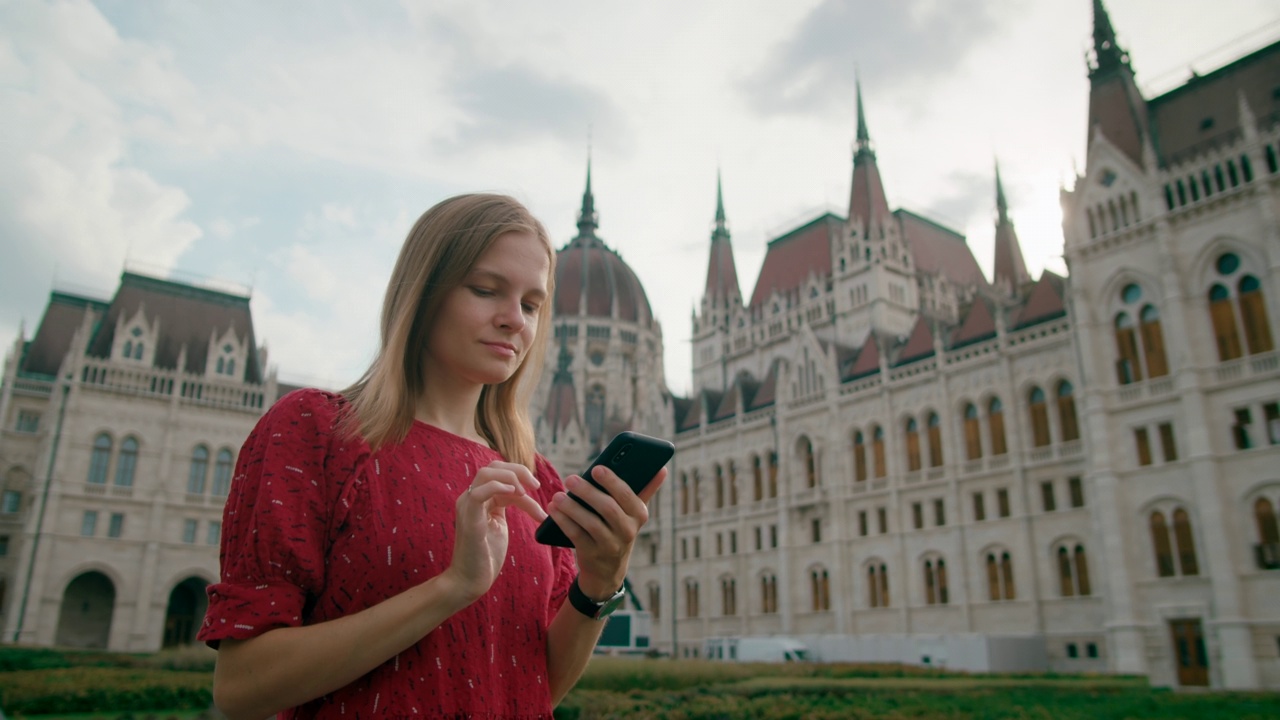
[[1039, 418], [994, 591], [222, 473], [127, 462], [1073, 571], [137, 351], [873, 587], [769, 594], [1128, 367], [995, 423], [1066, 578], [231, 366], [1265, 517], [222, 365], [935, 582], [757, 477], [1000, 577], [691, 598], [1067, 412], [719, 486], [1223, 317], [935, 440], [1160, 544], [1153, 342], [913, 445], [128, 349], [820, 589], [99, 459], [877, 452], [972, 433], [810, 463], [1253, 313], [199, 470], [1186, 543], [859, 458], [728, 596]]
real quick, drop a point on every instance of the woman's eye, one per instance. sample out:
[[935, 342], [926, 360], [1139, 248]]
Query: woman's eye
[[482, 292], [530, 308]]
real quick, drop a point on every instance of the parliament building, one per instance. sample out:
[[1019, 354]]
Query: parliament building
[[886, 455]]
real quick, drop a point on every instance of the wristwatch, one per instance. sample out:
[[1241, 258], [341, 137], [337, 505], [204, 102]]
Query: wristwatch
[[591, 608]]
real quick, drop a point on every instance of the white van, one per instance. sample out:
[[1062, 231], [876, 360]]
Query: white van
[[755, 649]]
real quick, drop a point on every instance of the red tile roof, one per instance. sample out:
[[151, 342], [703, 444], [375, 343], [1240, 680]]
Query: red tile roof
[[919, 343], [979, 324], [868, 360], [1010, 267], [722, 272], [937, 249], [867, 202], [1178, 116], [1045, 301], [1117, 109], [793, 257]]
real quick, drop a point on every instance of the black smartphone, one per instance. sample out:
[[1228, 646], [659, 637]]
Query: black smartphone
[[631, 456]]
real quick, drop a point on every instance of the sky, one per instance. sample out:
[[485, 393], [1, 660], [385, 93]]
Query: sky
[[285, 149]]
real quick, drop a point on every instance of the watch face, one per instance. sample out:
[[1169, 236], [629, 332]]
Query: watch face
[[610, 605]]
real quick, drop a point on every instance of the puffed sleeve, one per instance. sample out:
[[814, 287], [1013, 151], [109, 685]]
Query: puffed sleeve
[[563, 563], [278, 519]]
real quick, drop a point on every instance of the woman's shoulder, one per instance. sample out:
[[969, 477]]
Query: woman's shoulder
[[321, 405]]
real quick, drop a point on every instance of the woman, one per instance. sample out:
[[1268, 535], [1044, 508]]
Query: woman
[[378, 556]]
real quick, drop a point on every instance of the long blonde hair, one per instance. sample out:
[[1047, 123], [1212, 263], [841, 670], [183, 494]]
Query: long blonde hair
[[439, 252]]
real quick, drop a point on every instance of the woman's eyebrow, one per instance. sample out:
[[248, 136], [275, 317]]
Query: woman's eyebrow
[[499, 278]]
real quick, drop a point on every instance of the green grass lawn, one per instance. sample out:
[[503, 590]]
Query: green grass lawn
[[62, 685]]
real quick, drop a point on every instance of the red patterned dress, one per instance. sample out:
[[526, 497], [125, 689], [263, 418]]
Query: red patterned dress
[[316, 527]]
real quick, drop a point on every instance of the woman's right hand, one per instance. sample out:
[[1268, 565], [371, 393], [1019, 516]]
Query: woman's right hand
[[480, 545]]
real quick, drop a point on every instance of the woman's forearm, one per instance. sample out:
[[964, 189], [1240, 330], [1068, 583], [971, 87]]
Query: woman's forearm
[[287, 667], [570, 640]]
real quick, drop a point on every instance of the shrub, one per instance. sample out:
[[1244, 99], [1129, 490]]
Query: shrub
[[88, 689]]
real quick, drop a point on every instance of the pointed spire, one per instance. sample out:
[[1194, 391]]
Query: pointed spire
[[588, 219], [1010, 267], [1002, 206], [722, 271], [1107, 55], [863, 137], [868, 207]]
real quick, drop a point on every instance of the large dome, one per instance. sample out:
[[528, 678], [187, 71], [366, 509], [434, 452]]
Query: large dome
[[592, 280]]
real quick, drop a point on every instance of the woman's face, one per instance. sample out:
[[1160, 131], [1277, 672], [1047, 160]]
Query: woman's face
[[487, 324]]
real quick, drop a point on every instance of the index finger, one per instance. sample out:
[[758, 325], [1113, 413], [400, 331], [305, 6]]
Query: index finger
[[523, 475]]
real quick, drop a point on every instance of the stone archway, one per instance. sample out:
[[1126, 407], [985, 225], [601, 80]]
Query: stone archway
[[88, 603], [187, 605]]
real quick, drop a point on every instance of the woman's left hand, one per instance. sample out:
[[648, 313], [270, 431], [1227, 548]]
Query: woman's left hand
[[603, 543]]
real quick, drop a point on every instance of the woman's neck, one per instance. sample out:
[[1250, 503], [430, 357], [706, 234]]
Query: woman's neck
[[452, 409]]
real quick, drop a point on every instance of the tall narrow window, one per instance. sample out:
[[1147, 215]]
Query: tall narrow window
[[979, 507], [1267, 552], [728, 597], [1143, 443], [127, 462], [1223, 317], [882, 520], [913, 445], [820, 587], [757, 479], [89, 523], [684, 494], [773, 474], [873, 588], [1066, 580], [1271, 416], [1082, 572], [943, 593], [1153, 342], [1067, 412], [1076, 487], [810, 463], [859, 458], [939, 512], [99, 459], [1006, 574], [199, 470], [1253, 313], [655, 598], [993, 579], [1039, 418], [733, 483], [1047, 496], [877, 452], [862, 523], [691, 598], [995, 423], [1128, 368], [917, 515], [1167, 443], [930, 587], [1186, 543], [696, 492], [1161, 546], [1002, 502], [972, 433], [222, 473], [935, 440], [719, 486]]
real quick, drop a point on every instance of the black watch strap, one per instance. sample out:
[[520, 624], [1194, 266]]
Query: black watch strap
[[591, 608]]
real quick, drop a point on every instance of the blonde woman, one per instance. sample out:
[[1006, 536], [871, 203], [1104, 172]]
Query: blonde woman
[[378, 553]]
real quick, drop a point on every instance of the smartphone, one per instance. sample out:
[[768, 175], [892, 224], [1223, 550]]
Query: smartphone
[[631, 456]]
